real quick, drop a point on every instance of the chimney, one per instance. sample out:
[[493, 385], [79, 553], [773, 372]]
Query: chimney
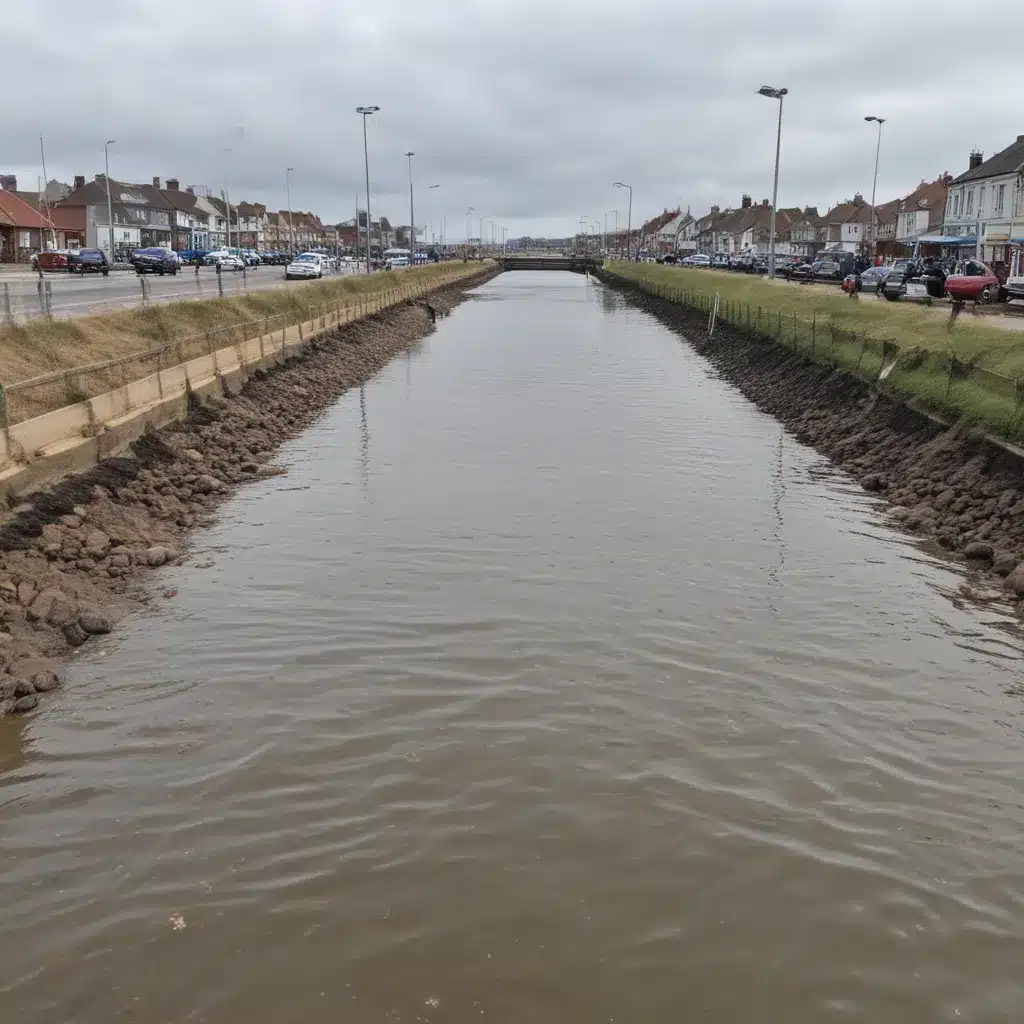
[[858, 198], [172, 184], [976, 159], [716, 210], [746, 201], [764, 204], [190, 190], [156, 181], [810, 211], [79, 181], [8, 182]]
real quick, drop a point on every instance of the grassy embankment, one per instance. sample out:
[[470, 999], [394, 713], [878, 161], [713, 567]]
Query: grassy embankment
[[966, 370], [41, 347]]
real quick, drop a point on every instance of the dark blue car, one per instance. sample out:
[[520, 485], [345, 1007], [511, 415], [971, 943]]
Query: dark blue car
[[92, 260], [155, 261]]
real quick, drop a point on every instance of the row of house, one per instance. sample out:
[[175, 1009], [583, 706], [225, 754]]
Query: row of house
[[155, 214], [980, 211]]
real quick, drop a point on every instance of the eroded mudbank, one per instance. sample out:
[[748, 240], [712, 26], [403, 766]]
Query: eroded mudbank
[[949, 485], [71, 557]]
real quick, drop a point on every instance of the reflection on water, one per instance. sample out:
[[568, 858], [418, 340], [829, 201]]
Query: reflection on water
[[591, 696]]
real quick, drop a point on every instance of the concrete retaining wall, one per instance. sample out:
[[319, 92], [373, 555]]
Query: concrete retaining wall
[[40, 451]]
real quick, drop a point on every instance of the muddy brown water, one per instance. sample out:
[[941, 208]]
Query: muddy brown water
[[554, 683]]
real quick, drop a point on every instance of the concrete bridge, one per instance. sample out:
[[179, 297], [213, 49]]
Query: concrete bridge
[[551, 262]]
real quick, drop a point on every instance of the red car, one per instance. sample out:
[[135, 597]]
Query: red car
[[974, 281], [51, 259]]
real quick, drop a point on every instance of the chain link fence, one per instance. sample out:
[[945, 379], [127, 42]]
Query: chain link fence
[[26, 296]]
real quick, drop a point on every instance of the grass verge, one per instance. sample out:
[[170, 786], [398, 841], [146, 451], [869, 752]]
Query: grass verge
[[965, 370], [41, 346]]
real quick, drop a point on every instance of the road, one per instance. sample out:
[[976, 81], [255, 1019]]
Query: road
[[71, 295]]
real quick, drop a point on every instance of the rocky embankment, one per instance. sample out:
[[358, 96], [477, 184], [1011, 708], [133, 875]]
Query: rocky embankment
[[71, 557], [948, 485]]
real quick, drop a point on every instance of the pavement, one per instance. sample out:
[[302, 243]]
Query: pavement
[[72, 295]]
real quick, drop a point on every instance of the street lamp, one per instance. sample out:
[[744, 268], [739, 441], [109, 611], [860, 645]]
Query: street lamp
[[469, 225], [412, 223], [366, 111], [432, 230], [874, 184], [288, 192], [774, 94], [110, 206], [629, 215]]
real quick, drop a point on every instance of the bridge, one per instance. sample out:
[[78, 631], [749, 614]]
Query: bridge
[[553, 262]]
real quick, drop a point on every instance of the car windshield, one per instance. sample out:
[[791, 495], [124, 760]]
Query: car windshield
[[306, 257]]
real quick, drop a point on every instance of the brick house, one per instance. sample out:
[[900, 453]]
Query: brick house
[[23, 230]]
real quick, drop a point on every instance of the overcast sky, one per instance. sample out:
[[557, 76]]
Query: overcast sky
[[525, 110]]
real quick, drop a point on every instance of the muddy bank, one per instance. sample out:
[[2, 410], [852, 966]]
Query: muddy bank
[[72, 557], [948, 485]]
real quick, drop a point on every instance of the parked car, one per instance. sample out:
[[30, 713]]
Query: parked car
[[155, 261], [193, 255], [305, 265], [698, 259], [974, 281], [870, 280], [50, 259], [720, 262], [910, 279], [91, 260]]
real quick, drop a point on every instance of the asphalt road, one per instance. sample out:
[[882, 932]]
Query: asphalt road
[[71, 295]]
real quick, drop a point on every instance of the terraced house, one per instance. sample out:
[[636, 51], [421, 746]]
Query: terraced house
[[985, 204], [141, 214]]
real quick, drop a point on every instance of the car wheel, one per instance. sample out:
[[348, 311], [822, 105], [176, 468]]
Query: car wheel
[[174, 271], [106, 273], [891, 297], [985, 295], [161, 271]]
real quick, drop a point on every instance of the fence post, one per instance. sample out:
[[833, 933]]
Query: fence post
[[42, 296], [8, 315], [49, 296], [778, 330], [220, 280], [814, 330], [4, 420], [795, 344]]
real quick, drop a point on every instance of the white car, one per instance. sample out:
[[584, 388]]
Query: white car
[[305, 265], [697, 260]]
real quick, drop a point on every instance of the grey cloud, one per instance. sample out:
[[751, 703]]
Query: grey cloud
[[527, 111]]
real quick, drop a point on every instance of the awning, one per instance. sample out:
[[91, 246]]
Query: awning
[[947, 240]]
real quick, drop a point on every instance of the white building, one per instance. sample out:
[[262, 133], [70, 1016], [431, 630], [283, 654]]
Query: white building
[[986, 202]]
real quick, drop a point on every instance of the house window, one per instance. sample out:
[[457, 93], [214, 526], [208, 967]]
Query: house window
[[981, 201], [1000, 198], [970, 202]]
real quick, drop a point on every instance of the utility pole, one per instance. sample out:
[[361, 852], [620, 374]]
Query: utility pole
[[366, 112], [44, 202], [412, 222], [288, 191], [110, 207], [629, 216], [874, 185]]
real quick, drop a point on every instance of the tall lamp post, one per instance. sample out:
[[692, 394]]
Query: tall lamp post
[[874, 184], [774, 94], [469, 225], [110, 205], [288, 193], [629, 215], [366, 112], [412, 223]]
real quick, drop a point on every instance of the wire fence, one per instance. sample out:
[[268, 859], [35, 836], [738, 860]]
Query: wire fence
[[57, 296], [36, 395], [875, 359]]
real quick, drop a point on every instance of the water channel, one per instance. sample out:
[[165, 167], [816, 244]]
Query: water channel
[[554, 683]]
